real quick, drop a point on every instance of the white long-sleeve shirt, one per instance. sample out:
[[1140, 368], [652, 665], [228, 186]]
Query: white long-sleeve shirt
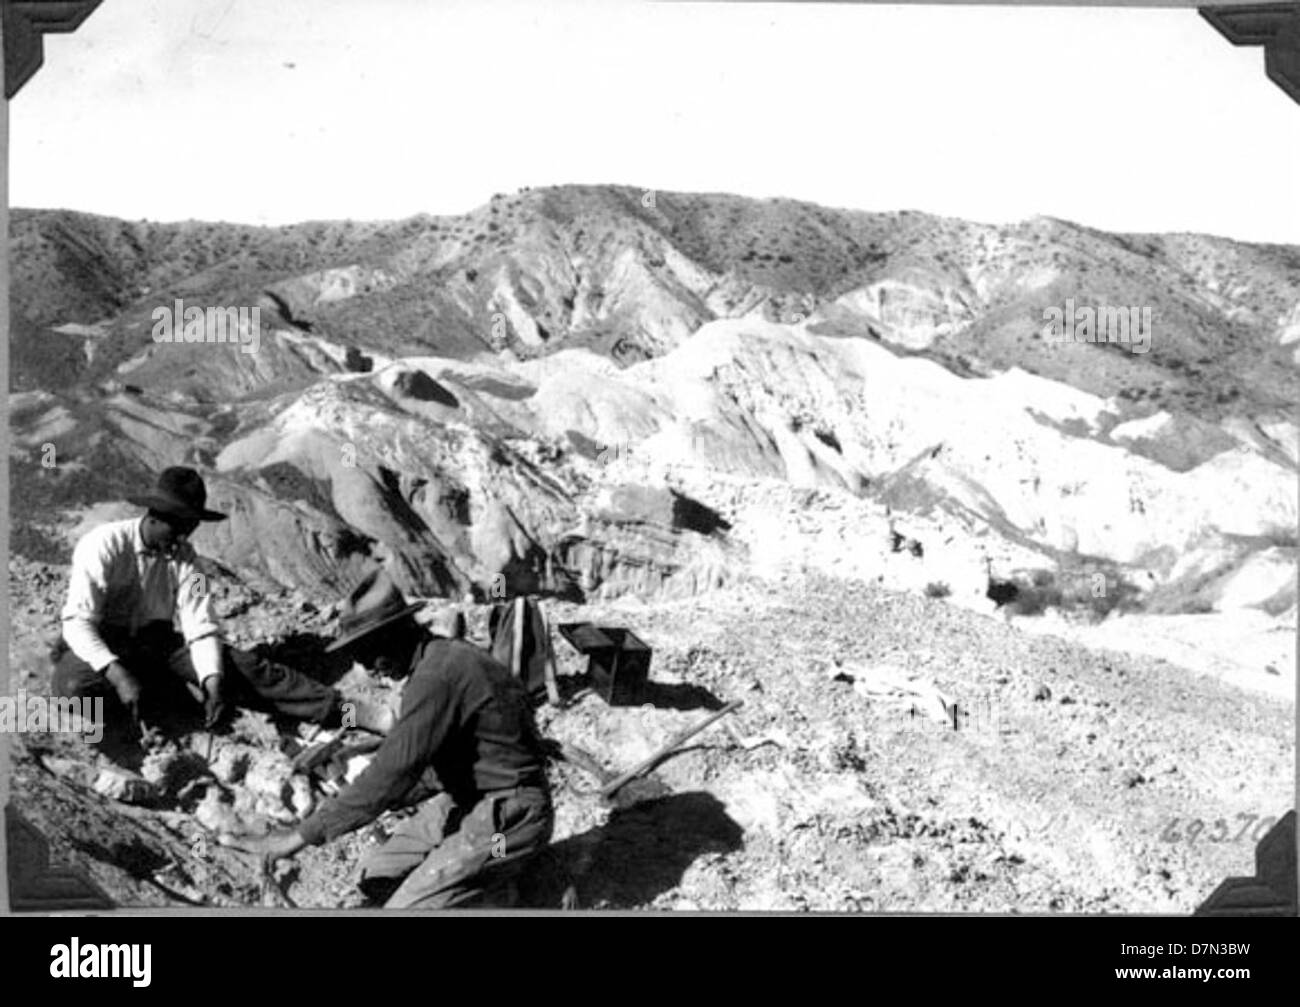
[[117, 582]]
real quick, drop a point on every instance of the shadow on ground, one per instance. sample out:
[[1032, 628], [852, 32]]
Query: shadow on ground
[[683, 696], [662, 695], [640, 853]]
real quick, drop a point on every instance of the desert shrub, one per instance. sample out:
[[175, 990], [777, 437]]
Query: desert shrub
[[36, 544], [937, 589], [1075, 592], [1037, 595], [1283, 538], [1081, 595]]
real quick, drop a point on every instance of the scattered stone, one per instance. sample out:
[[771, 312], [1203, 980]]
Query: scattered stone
[[156, 766], [1132, 778], [245, 803], [268, 774], [170, 771], [216, 814], [255, 729], [231, 764], [274, 809], [120, 785], [301, 799]]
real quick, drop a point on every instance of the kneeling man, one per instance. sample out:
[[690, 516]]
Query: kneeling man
[[131, 582], [466, 736]]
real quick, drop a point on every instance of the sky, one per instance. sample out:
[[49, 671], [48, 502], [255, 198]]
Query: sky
[[241, 110]]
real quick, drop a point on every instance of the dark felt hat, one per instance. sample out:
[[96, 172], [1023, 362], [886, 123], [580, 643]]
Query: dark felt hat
[[374, 603], [180, 493]]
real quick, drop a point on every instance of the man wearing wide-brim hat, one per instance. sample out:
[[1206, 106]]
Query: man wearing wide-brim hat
[[131, 580], [465, 748]]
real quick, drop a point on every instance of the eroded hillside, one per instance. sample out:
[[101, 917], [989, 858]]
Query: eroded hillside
[[540, 394]]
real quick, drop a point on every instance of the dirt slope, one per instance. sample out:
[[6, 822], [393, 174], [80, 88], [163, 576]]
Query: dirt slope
[[1070, 784]]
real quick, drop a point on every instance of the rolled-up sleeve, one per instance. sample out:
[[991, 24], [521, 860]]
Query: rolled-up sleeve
[[199, 625], [84, 608]]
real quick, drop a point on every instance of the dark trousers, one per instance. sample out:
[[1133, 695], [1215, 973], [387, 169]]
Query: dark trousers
[[160, 660], [446, 855]]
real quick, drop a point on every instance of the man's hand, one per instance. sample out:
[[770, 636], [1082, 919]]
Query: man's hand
[[270, 848], [214, 707], [126, 687]]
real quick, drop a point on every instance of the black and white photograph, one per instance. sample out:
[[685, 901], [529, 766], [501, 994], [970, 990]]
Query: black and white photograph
[[609, 458]]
